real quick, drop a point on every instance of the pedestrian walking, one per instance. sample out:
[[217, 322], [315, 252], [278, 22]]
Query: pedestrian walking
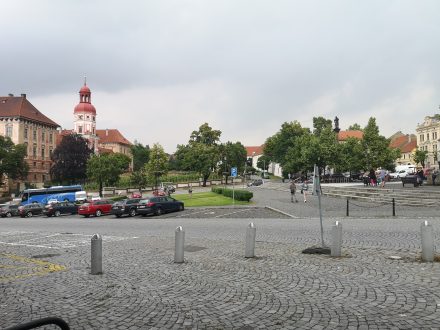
[[373, 179], [304, 189], [434, 175], [382, 175], [293, 191]]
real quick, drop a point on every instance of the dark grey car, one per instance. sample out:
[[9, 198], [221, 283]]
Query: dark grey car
[[9, 210]]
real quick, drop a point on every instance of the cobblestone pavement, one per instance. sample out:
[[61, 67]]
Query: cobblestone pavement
[[379, 283]]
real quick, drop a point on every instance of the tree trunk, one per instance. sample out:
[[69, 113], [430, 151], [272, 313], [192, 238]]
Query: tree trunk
[[205, 178], [100, 188]]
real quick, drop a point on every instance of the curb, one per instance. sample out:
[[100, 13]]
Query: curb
[[279, 211]]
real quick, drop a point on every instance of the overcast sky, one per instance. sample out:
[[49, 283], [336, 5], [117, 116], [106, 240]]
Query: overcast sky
[[159, 69]]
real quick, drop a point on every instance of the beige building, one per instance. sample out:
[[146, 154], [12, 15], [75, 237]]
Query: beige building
[[25, 124], [428, 138]]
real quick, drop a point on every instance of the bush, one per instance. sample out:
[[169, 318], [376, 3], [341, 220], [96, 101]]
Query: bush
[[239, 195]]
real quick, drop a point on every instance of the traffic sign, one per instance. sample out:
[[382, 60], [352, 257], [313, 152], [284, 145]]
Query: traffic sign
[[234, 172]]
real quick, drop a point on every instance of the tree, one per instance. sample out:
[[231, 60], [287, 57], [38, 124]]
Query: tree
[[352, 155], [263, 162], [202, 153], [420, 157], [377, 152], [319, 124], [355, 127], [232, 155], [158, 163], [276, 146], [141, 155], [12, 161], [70, 159], [106, 168]]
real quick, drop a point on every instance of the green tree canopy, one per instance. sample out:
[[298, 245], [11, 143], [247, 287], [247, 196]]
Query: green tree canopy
[[12, 161], [202, 153], [319, 124], [232, 155], [355, 127], [158, 163], [420, 157], [70, 159], [141, 155], [106, 168]]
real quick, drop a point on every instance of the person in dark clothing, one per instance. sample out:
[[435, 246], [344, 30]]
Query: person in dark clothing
[[373, 178], [420, 177]]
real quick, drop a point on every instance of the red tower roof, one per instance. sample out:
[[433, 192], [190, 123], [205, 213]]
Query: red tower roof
[[85, 104]]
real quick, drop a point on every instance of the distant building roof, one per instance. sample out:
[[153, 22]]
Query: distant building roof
[[111, 136], [62, 134], [344, 135], [409, 147], [258, 151], [19, 106]]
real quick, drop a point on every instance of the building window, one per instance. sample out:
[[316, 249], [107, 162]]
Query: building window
[[34, 151], [427, 136], [422, 138], [434, 135], [25, 132], [44, 177], [50, 153], [80, 129], [80, 117], [34, 135], [9, 130], [42, 152], [26, 145], [43, 135], [50, 137], [93, 118]]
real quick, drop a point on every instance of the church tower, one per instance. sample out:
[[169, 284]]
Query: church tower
[[85, 118]]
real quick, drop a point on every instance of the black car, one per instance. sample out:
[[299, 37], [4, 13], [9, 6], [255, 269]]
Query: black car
[[30, 210], [56, 209], [158, 205], [127, 207], [9, 210]]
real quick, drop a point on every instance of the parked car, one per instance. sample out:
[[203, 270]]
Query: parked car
[[256, 182], [30, 210], [9, 210], [58, 208], [158, 205], [125, 207], [96, 208]]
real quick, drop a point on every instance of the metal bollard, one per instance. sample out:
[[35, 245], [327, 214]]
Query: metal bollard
[[179, 245], [96, 257], [347, 213], [427, 242], [394, 208], [336, 239], [251, 233]]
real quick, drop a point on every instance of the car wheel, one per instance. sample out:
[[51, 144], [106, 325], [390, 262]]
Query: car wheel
[[118, 215], [98, 213], [57, 213], [159, 211], [132, 212], [29, 215], [181, 207], [9, 214]]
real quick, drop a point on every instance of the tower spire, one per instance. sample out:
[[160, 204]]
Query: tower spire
[[85, 80]]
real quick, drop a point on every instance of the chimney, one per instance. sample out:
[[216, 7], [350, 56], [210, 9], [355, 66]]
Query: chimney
[[10, 94], [23, 95]]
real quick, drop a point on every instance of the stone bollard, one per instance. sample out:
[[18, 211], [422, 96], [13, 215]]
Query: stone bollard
[[179, 245], [427, 241], [96, 257], [251, 233], [336, 239]]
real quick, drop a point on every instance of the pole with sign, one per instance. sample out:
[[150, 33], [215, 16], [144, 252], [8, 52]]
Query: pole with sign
[[234, 175]]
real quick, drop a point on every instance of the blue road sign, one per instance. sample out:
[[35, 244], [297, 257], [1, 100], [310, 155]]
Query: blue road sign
[[234, 172]]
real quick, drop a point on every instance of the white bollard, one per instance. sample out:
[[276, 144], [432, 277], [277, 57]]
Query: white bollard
[[336, 239], [251, 233], [180, 245], [96, 257], [427, 241]]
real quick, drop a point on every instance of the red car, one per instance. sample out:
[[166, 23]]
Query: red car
[[96, 208]]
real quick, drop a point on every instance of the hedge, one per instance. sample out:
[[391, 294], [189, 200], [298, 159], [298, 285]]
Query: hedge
[[240, 195]]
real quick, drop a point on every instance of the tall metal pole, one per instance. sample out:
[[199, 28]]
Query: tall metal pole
[[317, 190]]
